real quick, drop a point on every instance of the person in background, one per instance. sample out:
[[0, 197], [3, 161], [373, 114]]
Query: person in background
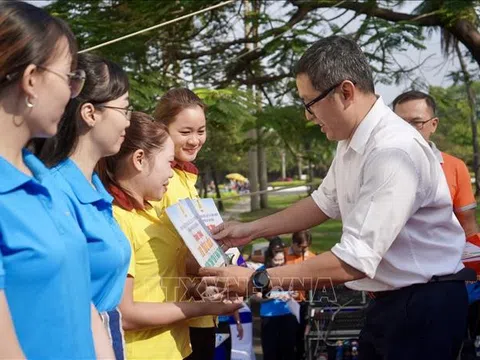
[[153, 305], [258, 255], [183, 112], [296, 253], [279, 326], [44, 271], [300, 249], [419, 110], [93, 127]]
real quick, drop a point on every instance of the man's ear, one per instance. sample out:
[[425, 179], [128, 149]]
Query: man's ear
[[139, 160], [87, 112], [434, 124], [348, 91]]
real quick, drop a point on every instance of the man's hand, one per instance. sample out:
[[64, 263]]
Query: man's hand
[[234, 280], [233, 233]]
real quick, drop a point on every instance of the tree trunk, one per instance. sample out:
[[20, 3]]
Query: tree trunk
[[217, 190], [299, 167], [472, 103], [263, 176], [252, 134], [467, 33], [203, 188], [283, 156]]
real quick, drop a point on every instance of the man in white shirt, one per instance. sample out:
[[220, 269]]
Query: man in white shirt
[[400, 240]]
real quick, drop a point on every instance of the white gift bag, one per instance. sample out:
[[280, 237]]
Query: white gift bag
[[243, 349]]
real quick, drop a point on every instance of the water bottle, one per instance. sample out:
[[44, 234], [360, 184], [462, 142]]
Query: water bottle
[[354, 350], [339, 350]]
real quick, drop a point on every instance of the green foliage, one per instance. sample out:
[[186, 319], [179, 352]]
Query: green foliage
[[208, 52], [227, 112], [454, 133], [301, 138]]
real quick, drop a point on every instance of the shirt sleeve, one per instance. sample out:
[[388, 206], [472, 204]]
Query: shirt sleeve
[[126, 227], [388, 197], [464, 199], [326, 195]]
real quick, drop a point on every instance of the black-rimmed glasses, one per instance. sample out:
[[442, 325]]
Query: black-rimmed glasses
[[75, 79], [127, 111], [419, 124], [320, 97]]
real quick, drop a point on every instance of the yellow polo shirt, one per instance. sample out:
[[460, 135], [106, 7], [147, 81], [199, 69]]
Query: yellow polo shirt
[[181, 186], [155, 267]]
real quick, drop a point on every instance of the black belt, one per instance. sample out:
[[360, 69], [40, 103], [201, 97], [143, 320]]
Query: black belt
[[465, 274]]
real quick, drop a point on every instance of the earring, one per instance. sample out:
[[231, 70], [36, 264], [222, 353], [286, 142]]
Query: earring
[[28, 103]]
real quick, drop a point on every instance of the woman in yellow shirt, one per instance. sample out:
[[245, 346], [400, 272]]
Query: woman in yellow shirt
[[152, 307], [183, 113]]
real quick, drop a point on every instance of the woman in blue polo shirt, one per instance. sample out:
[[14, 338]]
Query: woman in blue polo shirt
[[93, 127], [44, 273]]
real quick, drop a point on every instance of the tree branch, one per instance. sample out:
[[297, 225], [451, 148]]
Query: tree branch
[[371, 9], [259, 80]]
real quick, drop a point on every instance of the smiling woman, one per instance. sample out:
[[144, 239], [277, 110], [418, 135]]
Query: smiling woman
[[184, 114]]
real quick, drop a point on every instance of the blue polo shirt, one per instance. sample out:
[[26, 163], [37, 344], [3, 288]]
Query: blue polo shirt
[[44, 265], [108, 248]]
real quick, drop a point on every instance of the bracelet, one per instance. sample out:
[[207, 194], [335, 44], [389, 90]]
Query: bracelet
[[239, 322]]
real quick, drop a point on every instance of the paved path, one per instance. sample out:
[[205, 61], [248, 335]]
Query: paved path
[[233, 212]]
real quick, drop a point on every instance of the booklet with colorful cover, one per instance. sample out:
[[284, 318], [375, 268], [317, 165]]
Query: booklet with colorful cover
[[196, 235], [207, 212]]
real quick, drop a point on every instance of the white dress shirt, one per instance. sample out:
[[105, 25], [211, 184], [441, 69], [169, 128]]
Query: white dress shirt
[[389, 190]]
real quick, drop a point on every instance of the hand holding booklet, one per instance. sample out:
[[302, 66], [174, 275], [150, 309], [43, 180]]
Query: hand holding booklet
[[196, 234], [193, 219]]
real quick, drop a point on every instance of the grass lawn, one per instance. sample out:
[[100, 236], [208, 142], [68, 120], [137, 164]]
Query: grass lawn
[[323, 236]]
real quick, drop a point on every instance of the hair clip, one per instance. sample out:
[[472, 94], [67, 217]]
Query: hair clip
[[9, 77]]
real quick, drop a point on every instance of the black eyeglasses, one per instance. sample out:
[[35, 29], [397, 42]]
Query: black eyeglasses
[[75, 79], [321, 97], [127, 111], [419, 124]]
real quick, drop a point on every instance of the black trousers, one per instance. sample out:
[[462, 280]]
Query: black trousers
[[279, 334], [224, 328], [203, 343], [425, 321], [300, 342]]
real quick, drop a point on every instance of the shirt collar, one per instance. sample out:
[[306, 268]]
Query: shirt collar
[[364, 130], [120, 198], [436, 152], [12, 178], [84, 191], [185, 166]]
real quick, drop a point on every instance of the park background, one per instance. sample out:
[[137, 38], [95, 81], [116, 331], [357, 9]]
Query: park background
[[239, 59]]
